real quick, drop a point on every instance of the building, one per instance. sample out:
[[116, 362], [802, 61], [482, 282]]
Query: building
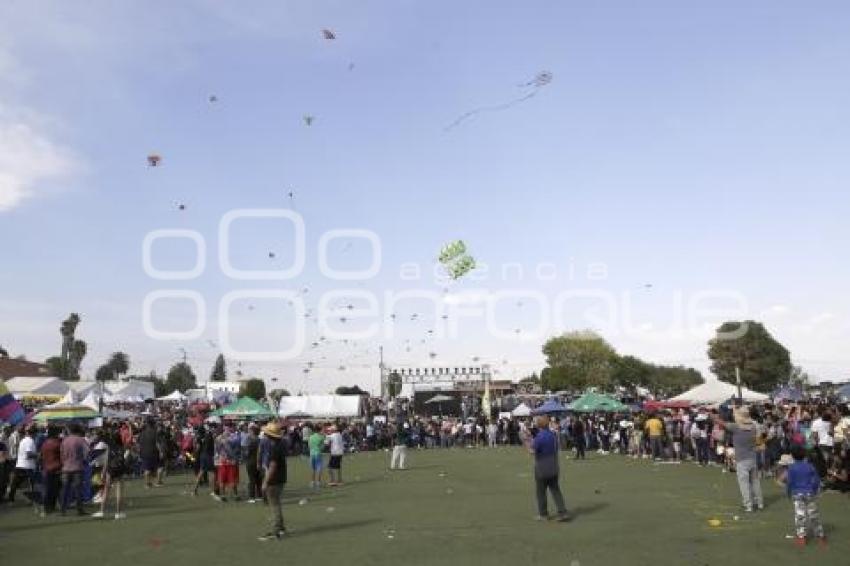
[[10, 368]]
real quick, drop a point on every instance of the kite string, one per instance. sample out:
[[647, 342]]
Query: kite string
[[494, 108]]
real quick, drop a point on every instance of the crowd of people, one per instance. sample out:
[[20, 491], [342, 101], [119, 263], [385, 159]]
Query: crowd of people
[[60, 467]]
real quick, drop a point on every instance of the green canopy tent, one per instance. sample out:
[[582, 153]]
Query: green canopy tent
[[596, 402], [66, 413], [244, 408]]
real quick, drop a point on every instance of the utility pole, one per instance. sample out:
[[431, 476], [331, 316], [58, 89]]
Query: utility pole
[[384, 388], [738, 383]]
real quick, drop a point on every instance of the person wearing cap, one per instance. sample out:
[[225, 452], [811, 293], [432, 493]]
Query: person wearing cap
[[744, 434], [274, 480]]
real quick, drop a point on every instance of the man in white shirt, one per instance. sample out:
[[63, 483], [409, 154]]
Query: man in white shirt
[[25, 465], [337, 447], [822, 429]]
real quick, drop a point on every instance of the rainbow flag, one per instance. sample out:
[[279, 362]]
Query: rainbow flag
[[10, 410]]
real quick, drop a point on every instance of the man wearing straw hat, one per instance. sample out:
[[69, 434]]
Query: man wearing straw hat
[[274, 480], [744, 433]]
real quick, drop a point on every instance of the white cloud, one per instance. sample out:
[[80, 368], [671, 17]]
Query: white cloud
[[28, 160]]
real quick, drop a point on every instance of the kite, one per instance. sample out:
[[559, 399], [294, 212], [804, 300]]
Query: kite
[[432, 355], [153, 160], [351, 66], [539, 81], [181, 206], [271, 255], [328, 34], [456, 260], [309, 119], [213, 98]]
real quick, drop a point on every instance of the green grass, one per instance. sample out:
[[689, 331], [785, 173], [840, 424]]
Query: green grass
[[452, 507]]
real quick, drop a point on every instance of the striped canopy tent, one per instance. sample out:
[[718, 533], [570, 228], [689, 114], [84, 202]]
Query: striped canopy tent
[[244, 408], [66, 413], [596, 402]]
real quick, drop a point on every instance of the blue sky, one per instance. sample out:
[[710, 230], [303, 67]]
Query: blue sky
[[693, 146]]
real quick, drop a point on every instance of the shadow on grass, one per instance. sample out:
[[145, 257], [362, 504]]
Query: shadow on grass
[[582, 510], [333, 527]]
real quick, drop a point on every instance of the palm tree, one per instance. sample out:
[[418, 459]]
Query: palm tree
[[3, 352], [119, 363], [67, 330], [78, 351]]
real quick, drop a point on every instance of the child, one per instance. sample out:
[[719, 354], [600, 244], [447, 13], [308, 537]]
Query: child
[[803, 485]]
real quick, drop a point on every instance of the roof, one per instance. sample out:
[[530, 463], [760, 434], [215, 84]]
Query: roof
[[10, 368], [37, 386]]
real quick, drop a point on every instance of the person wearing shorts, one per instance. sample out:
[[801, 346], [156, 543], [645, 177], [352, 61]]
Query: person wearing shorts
[[228, 463], [337, 449], [316, 443]]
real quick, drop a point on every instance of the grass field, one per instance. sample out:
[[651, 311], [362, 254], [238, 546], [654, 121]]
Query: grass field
[[452, 507]]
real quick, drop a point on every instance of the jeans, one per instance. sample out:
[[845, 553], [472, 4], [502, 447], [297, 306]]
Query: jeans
[[73, 484], [702, 451], [51, 490], [254, 479], [399, 457], [748, 482], [580, 447], [807, 515], [21, 476], [273, 496], [656, 446], [550, 484]]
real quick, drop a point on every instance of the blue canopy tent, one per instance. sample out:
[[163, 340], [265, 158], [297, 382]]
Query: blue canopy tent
[[550, 407]]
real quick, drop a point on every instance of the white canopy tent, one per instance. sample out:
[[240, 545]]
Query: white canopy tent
[[82, 388], [716, 391], [36, 387], [522, 410], [173, 396], [320, 406], [70, 399]]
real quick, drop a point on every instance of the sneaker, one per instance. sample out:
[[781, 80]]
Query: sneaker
[[564, 517], [215, 496], [541, 518], [748, 509], [98, 515], [252, 501], [760, 506], [119, 516], [272, 536], [800, 541]]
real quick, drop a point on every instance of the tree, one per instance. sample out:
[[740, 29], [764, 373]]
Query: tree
[[219, 370], [4, 354], [78, 351], [578, 360], [631, 372], [104, 373], [764, 362], [56, 365], [67, 330], [669, 381], [799, 379], [119, 363], [180, 378], [254, 388], [160, 388], [352, 390], [276, 394], [533, 378]]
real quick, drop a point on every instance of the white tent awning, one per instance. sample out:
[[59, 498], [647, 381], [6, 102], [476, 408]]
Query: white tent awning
[[320, 406], [522, 410], [716, 391]]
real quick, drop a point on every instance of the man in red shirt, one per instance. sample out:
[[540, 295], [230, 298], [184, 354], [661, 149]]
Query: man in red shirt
[[74, 452], [52, 464]]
